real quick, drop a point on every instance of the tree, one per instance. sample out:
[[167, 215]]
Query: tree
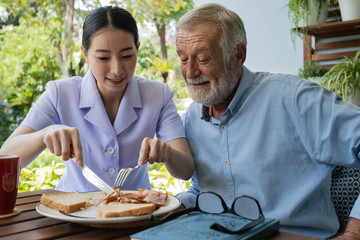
[[27, 62], [61, 20], [161, 13], [33, 35]]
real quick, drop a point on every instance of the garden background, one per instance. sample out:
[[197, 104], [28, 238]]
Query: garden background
[[40, 41]]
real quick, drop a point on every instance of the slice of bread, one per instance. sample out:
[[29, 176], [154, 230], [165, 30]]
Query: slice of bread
[[124, 210], [66, 201]]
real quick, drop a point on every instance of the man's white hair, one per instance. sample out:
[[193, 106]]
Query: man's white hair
[[231, 25]]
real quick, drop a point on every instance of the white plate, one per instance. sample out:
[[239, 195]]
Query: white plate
[[87, 216]]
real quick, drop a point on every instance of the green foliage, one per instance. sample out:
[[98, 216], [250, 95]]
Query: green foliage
[[43, 173], [159, 12], [159, 64], [10, 118], [13, 16], [147, 49], [161, 180], [27, 62], [180, 91], [299, 11], [344, 77], [54, 18], [311, 70]]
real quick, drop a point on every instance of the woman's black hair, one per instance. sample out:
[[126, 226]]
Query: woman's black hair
[[109, 16]]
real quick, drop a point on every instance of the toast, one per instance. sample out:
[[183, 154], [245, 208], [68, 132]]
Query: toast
[[66, 201], [124, 209]]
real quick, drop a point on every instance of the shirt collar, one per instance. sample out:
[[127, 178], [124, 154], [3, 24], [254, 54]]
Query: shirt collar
[[241, 94], [245, 85], [89, 92], [132, 94], [205, 113]]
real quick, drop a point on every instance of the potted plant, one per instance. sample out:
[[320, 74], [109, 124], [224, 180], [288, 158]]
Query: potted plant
[[312, 72], [303, 13], [349, 9], [344, 79]]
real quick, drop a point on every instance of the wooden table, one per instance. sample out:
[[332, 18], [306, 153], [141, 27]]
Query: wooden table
[[31, 225]]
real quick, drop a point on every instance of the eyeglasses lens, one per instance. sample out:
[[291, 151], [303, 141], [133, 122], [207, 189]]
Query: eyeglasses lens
[[210, 203], [246, 208]]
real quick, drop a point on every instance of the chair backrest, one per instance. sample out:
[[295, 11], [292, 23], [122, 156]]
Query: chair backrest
[[345, 188]]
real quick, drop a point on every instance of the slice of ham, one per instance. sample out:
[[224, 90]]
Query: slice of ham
[[153, 196], [142, 196], [149, 196]]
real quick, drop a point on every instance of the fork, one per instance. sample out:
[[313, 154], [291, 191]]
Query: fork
[[123, 174]]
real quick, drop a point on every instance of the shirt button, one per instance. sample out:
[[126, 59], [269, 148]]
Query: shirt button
[[110, 150], [222, 127], [226, 161], [230, 196], [234, 112], [111, 171]]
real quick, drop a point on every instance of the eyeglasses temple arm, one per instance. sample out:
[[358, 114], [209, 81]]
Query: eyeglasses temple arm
[[244, 229], [172, 215], [253, 223]]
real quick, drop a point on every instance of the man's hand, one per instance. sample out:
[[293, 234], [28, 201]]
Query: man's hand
[[352, 231]]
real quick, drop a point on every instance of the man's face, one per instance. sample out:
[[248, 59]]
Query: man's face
[[209, 80]]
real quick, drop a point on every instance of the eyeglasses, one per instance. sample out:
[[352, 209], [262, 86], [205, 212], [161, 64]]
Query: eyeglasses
[[243, 206]]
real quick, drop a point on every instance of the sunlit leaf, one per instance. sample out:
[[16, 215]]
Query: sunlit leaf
[[176, 7]]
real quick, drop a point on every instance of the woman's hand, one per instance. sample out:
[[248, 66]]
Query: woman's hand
[[153, 150], [64, 141], [175, 154]]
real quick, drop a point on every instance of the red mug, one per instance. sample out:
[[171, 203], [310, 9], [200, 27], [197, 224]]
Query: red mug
[[9, 182]]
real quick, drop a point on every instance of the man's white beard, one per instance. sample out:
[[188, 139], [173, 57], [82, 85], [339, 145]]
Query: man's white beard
[[213, 95]]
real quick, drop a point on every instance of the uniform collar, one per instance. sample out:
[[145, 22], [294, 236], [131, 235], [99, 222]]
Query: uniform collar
[[90, 99], [89, 94]]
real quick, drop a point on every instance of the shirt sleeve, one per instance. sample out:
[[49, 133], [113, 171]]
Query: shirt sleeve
[[43, 113], [329, 127], [189, 198], [355, 212], [170, 125]]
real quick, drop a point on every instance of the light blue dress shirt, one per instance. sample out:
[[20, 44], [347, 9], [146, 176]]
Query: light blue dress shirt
[[147, 108], [278, 141]]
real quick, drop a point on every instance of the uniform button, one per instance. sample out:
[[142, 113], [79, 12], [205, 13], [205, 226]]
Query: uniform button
[[234, 112], [226, 161], [222, 127], [111, 171], [230, 196], [110, 150]]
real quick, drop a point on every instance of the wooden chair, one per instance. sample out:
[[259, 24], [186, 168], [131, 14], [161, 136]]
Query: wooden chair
[[345, 189]]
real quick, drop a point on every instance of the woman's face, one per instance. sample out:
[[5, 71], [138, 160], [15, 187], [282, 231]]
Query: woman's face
[[112, 57]]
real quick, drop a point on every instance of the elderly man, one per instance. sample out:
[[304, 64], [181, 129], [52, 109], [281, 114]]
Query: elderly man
[[275, 137]]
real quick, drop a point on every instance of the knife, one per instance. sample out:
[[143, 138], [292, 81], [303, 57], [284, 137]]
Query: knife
[[95, 179]]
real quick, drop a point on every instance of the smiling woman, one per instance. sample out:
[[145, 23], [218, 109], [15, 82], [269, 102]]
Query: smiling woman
[[113, 64], [108, 118]]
